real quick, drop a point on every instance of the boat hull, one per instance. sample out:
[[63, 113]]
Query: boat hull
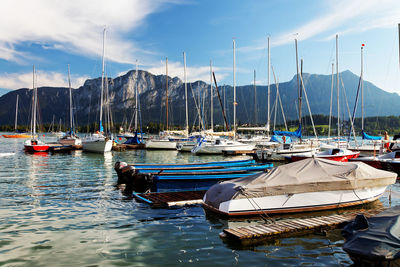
[[220, 149], [16, 136], [36, 148], [301, 202], [97, 146], [161, 145], [340, 158]]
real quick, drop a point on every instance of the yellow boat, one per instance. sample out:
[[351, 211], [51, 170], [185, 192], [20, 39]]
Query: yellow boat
[[17, 136]]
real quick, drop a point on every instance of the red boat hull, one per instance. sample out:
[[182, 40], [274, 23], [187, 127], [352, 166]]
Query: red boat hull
[[36, 148], [340, 158]]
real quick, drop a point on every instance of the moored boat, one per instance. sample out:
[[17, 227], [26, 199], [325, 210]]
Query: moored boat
[[181, 177], [374, 241], [389, 161], [308, 185], [336, 154]]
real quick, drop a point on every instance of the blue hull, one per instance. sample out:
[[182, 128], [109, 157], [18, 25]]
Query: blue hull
[[246, 168], [214, 163], [190, 183]]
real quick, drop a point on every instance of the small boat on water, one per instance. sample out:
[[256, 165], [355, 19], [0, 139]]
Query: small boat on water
[[389, 161], [374, 241], [336, 154], [308, 185], [34, 144], [182, 177]]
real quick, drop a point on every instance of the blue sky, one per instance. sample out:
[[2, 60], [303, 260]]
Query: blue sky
[[52, 33]]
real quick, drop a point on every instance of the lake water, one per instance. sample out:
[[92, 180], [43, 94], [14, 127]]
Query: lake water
[[65, 210]]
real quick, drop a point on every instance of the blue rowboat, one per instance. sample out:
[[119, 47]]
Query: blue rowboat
[[199, 171], [190, 183], [199, 164]]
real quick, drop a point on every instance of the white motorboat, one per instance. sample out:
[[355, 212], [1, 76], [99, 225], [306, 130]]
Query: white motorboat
[[280, 152], [219, 146], [162, 144], [97, 143], [307, 185]]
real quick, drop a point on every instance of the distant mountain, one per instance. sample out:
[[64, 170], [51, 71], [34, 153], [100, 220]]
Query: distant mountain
[[152, 89]]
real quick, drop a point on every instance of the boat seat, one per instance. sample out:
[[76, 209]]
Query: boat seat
[[335, 151]]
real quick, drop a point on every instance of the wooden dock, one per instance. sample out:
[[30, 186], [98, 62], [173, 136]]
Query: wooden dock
[[256, 234], [170, 199]]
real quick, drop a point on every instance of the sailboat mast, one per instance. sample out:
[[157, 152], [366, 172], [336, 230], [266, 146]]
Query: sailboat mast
[[136, 97], [166, 91], [34, 102], [298, 82], [70, 100], [362, 88], [330, 107], [234, 91], [255, 99], [211, 99], [16, 114], [102, 82], [186, 93], [269, 89], [337, 88]]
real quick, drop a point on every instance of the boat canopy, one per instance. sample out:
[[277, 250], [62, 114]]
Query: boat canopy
[[296, 133], [370, 137], [308, 175]]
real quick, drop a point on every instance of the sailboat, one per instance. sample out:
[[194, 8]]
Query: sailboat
[[331, 153], [98, 142], [220, 146], [16, 134], [374, 141], [70, 138], [34, 144], [164, 141]]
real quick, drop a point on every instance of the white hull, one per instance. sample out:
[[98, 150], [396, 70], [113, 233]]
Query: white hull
[[97, 145], [280, 155], [300, 201], [161, 144], [213, 148]]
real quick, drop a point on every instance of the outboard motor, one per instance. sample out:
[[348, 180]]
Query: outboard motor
[[132, 178]]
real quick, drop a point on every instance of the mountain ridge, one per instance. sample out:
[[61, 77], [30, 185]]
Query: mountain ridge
[[54, 100]]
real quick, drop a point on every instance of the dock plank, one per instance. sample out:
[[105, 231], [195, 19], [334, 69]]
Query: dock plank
[[253, 234]]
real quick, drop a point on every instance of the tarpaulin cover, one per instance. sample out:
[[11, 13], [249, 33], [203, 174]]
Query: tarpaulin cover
[[370, 137], [133, 140], [376, 238], [296, 133], [308, 175]]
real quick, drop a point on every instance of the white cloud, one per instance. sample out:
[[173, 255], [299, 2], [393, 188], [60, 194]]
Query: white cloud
[[75, 24], [52, 79]]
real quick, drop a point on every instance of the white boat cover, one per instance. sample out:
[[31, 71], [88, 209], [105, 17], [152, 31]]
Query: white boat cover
[[309, 175]]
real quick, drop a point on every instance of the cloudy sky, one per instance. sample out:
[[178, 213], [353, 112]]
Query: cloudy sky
[[53, 33]]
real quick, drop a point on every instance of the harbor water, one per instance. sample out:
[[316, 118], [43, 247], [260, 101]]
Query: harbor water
[[65, 209]]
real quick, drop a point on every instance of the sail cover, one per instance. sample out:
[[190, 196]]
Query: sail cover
[[308, 175], [370, 137], [296, 133]]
